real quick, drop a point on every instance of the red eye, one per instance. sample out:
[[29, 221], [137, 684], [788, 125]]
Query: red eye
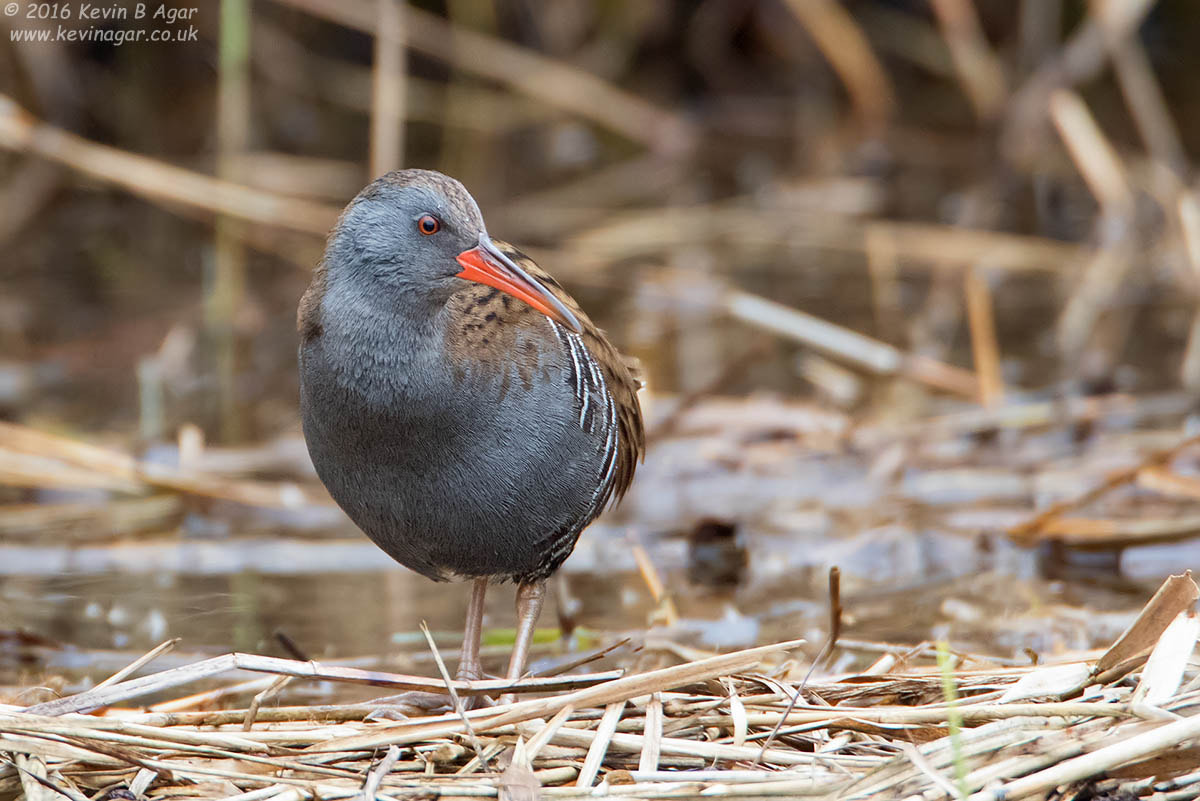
[[429, 225]]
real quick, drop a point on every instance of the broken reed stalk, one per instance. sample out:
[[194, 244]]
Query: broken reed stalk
[[1029, 530], [455, 700], [835, 631], [549, 80], [849, 52], [1080, 57], [1103, 759], [157, 180], [985, 345], [225, 287], [388, 89], [979, 70], [1106, 177], [100, 697], [596, 695], [96, 466], [859, 350], [138, 663], [919, 246]]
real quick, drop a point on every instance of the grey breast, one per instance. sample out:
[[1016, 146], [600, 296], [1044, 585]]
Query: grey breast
[[467, 472]]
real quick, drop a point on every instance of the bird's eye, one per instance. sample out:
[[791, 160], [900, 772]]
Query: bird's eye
[[429, 225]]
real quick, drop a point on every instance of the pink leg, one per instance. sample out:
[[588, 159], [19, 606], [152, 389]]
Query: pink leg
[[469, 668], [530, 597]]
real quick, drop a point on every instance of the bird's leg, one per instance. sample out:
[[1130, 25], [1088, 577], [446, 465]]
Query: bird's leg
[[469, 667], [530, 596]]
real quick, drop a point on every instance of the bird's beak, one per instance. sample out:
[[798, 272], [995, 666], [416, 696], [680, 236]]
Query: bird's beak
[[487, 264]]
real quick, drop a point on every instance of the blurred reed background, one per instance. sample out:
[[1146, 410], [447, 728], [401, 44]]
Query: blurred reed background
[[998, 194], [878, 212]]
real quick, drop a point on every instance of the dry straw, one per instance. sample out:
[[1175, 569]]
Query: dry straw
[[690, 730]]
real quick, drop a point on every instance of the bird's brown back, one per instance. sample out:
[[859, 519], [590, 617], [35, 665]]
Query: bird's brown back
[[489, 323]]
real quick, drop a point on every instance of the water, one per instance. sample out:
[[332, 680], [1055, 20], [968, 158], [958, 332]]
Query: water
[[916, 565]]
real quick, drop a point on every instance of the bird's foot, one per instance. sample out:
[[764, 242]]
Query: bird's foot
[[417, 703], [413, 704], [421, 704]]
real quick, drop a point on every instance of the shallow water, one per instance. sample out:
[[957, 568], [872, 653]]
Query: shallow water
[[899, 586], [742, 513]]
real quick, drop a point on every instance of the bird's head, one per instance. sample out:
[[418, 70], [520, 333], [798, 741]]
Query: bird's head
[[418, 234]]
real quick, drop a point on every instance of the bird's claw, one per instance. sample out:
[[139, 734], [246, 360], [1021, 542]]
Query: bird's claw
[[408, 705], [417, 704]]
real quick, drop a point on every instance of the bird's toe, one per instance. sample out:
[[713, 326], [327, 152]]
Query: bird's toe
[[409, 705], [422, 704]]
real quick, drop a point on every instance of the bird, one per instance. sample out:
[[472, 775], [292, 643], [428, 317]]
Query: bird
[[456, 401]]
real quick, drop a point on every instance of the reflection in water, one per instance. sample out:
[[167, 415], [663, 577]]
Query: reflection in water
[[326, 614], [376, 612]]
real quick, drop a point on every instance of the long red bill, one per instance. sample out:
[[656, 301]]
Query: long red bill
[[487, 264]]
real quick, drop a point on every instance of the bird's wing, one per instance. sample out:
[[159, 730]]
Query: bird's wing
[[622, 382]]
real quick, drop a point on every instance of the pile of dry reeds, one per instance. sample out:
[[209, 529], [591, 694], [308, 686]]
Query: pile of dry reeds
[[1111, 724]]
